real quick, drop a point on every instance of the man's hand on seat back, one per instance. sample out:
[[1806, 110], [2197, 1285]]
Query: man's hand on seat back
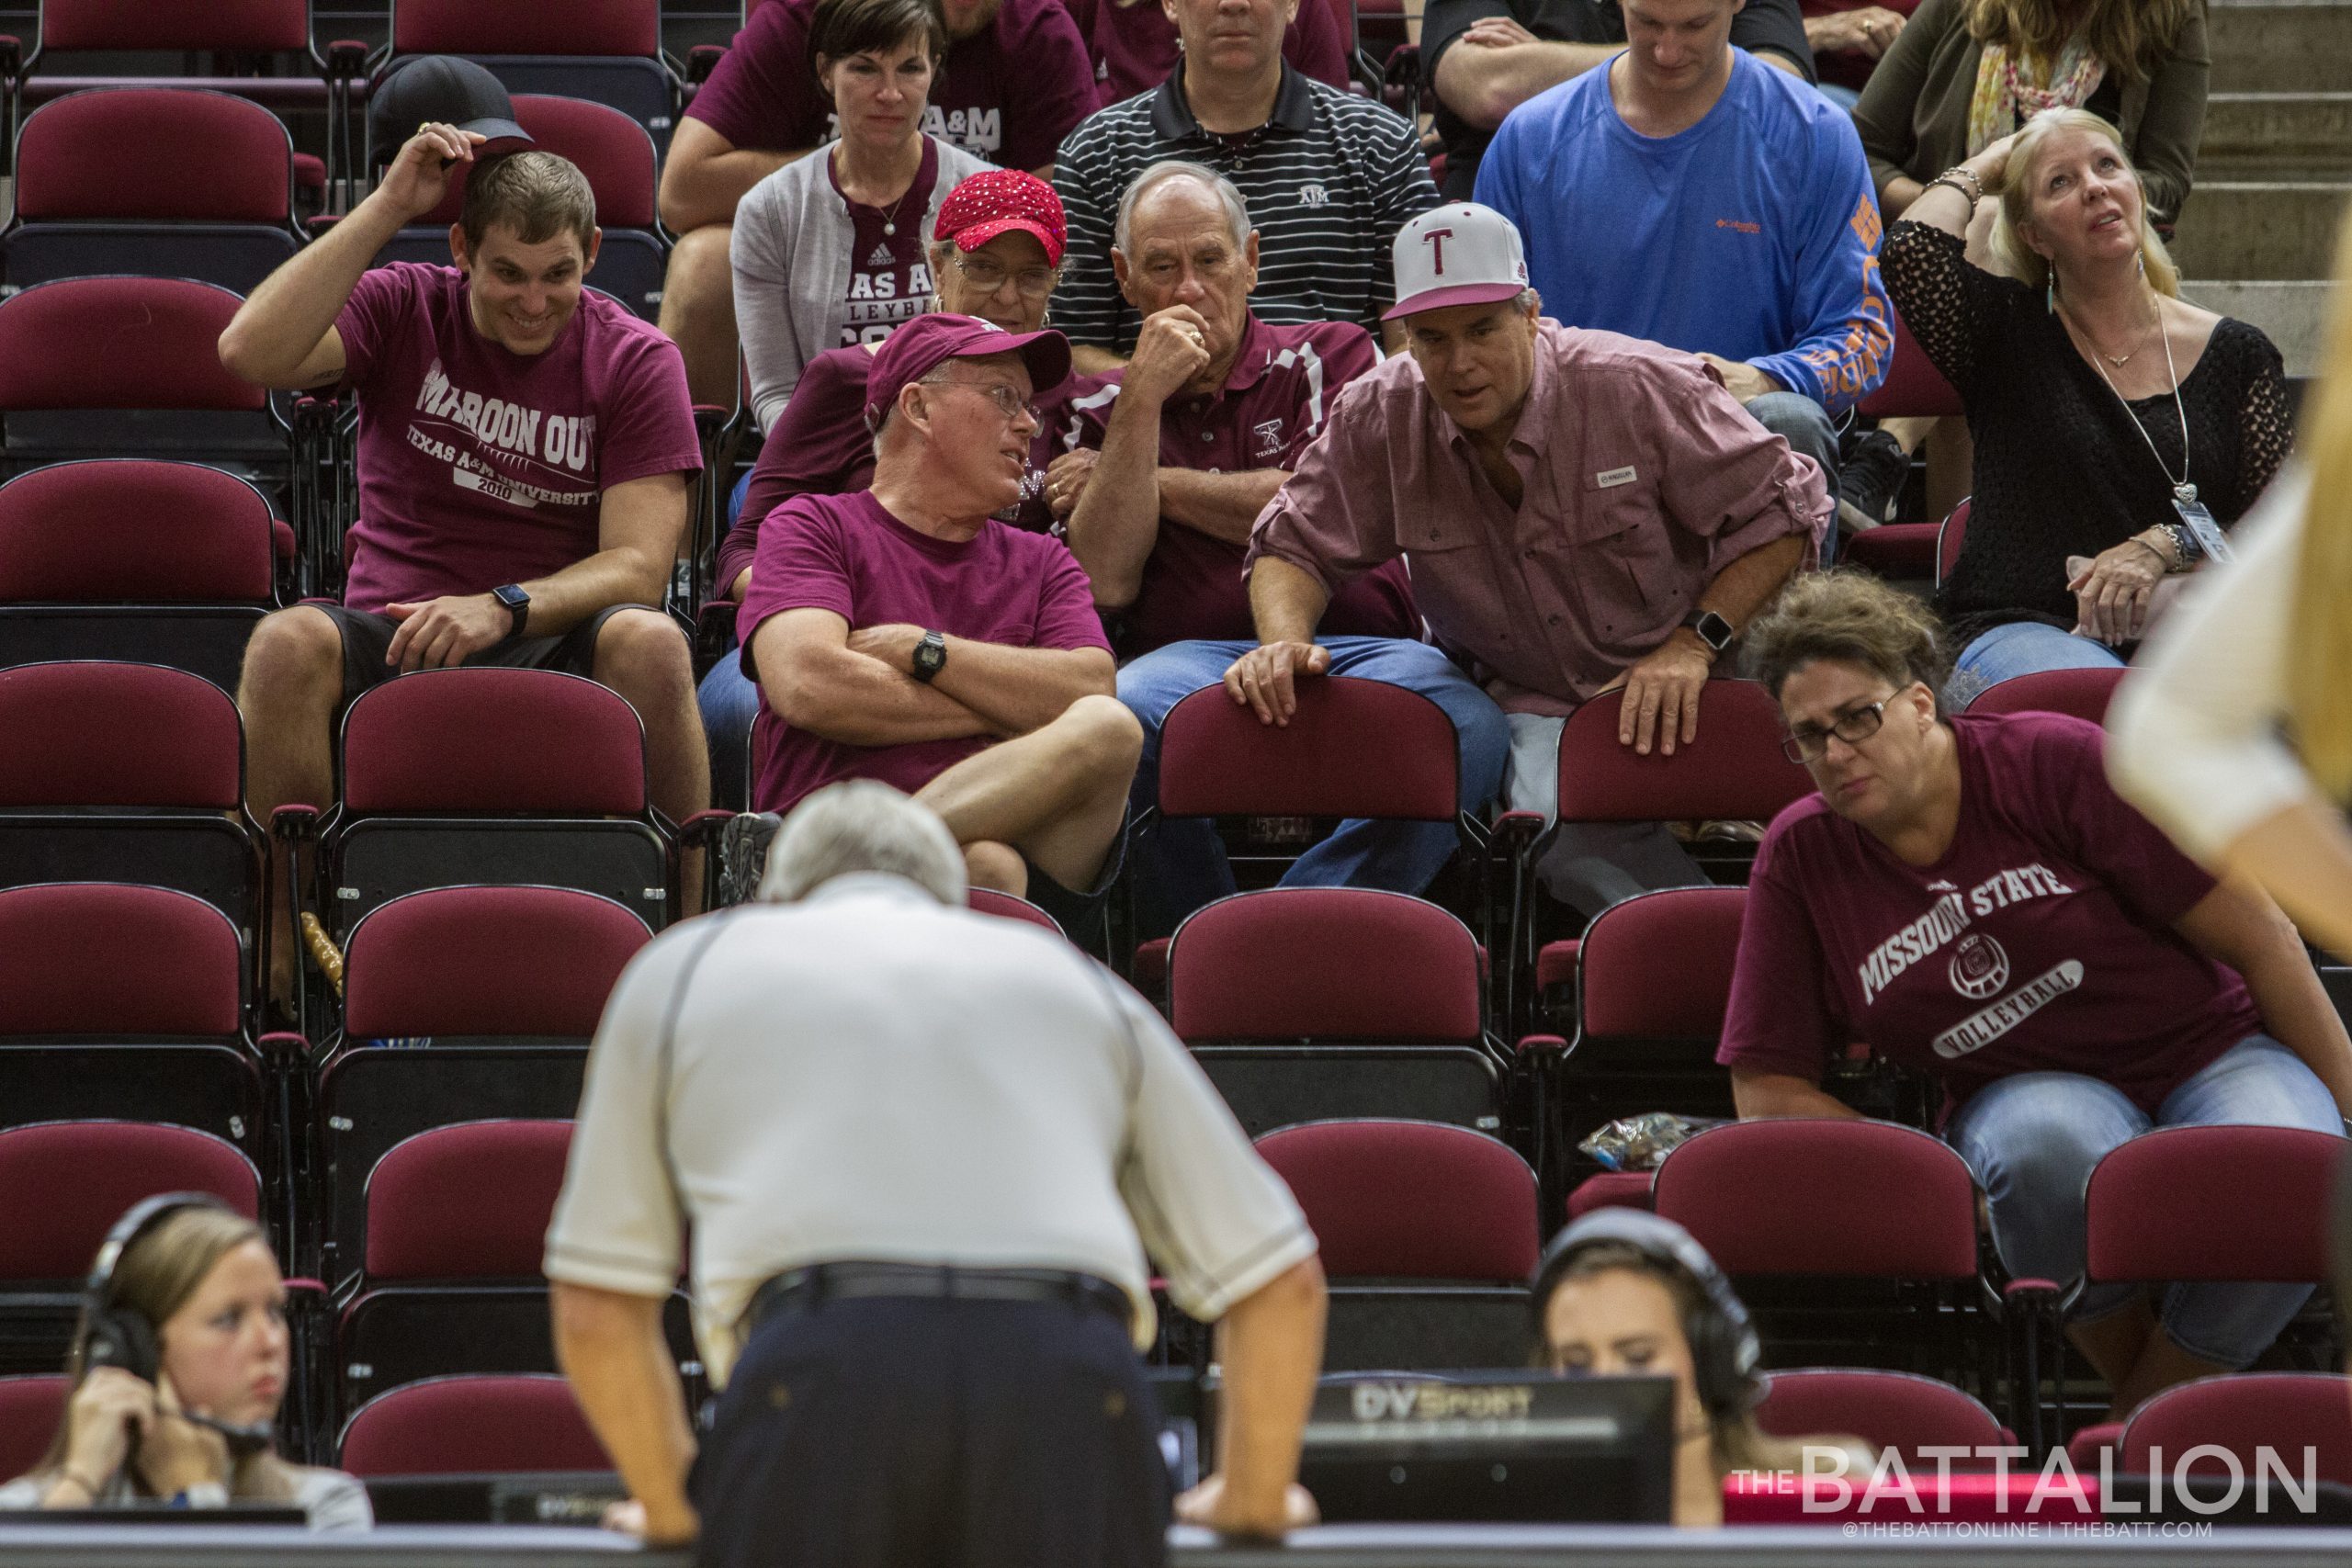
[[440, 633], [1265, 678]]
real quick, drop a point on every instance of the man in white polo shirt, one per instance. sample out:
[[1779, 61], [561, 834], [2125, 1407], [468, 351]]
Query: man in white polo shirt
[[922, 1154]]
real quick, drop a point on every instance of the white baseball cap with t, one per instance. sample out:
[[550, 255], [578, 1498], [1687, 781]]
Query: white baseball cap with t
[[1461, 254]]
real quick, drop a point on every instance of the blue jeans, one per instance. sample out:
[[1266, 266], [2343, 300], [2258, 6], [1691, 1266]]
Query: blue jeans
[[2026, 647], [2032, 1138], [1179, 861], [729, 702], [1804, 425]]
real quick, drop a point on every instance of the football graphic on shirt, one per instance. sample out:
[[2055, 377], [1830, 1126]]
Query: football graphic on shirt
[[1979, 967]]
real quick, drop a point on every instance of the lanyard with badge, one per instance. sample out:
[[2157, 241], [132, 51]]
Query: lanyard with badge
[[2211, 541]]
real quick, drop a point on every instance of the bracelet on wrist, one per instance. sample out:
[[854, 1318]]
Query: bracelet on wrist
[[1975, 191]]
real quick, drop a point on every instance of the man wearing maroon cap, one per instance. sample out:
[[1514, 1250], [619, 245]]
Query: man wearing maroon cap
[[905, 634], [1582, 512], [1016, 80], [1194, 437], [996, 256]]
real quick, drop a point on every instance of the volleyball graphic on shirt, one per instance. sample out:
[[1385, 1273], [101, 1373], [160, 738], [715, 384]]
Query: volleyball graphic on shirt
[[1979, 967]]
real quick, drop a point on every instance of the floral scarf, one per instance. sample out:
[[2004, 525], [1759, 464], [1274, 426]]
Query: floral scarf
[[2012, 88]]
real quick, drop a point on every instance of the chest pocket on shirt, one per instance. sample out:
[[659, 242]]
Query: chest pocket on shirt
[[1452, 565], [1624, 561]]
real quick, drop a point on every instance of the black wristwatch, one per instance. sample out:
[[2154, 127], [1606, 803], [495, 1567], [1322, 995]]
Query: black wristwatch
[[1713, 629], [518, 604], [930, 656]]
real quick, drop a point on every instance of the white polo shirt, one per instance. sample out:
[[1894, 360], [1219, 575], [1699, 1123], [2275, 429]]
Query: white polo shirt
[[870, 1075]]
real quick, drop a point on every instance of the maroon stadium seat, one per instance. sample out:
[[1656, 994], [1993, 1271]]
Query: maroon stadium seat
[[506, 984], [1889, 1411], [68, 1182], [2154, 1211], [1429, 1234], [170, 182], [476, 1423], [1913, 388], [2082, 693], [2243, 1413], [989, 901], [126, 772], [161, 563], [125, 1002], [1309, 1003], [490, 775], [1354, 748], [30, 1409]]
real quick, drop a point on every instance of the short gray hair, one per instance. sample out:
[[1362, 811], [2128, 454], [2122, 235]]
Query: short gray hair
[[862, 825], [1237, 214]]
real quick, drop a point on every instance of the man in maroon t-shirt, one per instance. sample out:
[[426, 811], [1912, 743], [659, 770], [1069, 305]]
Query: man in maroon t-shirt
[[1178, 453], [1017, 79], [525, 446], [904, 633]]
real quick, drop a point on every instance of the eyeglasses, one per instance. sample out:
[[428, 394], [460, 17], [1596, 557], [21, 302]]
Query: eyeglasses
[[1009, 403], [988, 276], [1810, 743]]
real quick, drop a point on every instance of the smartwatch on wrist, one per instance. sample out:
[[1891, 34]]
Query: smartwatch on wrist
[[930, 656], [518, 604], [1712, 629]]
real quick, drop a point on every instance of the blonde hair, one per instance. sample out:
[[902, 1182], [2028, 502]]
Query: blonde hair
[[2319, 629], [2028, 265], [154, 1276], [2129, 37]]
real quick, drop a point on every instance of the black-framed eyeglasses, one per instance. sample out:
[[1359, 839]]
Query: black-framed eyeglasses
[[987, 275], [1009, 403], [1810, 743]]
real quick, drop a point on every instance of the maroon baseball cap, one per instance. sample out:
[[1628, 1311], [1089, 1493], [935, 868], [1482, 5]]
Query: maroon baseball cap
[[913, 351], [999, 201]]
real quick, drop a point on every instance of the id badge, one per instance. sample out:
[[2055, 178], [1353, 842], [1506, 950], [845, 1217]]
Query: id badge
[[2210, 537]]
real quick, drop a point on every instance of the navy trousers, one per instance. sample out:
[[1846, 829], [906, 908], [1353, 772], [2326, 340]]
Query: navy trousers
[[906, 1433]]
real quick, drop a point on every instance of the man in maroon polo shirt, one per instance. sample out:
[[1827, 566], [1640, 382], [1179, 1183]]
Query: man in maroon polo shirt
[[1178, 453], [1017, 79], [902, 632]]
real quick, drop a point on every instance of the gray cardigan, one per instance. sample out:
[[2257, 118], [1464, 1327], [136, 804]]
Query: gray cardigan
[[791, 257]]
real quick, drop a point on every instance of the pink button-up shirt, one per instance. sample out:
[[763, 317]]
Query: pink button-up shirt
[[1641, 479]]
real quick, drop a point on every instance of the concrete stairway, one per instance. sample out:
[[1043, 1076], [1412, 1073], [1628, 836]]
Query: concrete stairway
[[2274, 173]]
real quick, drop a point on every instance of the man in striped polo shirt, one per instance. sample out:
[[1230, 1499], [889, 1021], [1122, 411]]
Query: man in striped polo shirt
[[1328, 177]]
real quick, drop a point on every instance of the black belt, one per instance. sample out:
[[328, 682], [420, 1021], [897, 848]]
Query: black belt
[[802, 1288]]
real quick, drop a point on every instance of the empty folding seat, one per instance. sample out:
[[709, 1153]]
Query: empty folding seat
[[456, 1226], [608, 52], [527, 777], [126, 772], [1900, 1412], [108, 366], [124, 1001], [617, 155], [31, 1406], [490, 995], [1789, 1207], [167, 182], [989, 901], [157, 563], [65, 1183], [1911, 551], [1309, 1003], [471, 1424], [1428, 1234], [1913, 388], [2242, 1414], [2079, 693]]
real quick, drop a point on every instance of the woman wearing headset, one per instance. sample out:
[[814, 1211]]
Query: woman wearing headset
[[187, 1292], [1626, 1294]]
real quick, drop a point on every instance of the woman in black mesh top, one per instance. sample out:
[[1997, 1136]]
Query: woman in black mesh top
[[2079, 375]]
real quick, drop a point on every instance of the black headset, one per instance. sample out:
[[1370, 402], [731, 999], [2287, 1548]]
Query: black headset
[[116, 1335], [1724, 1347]]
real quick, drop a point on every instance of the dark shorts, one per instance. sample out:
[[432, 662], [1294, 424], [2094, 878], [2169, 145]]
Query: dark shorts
[[1082, 912], [366, 637], [890, 1432]]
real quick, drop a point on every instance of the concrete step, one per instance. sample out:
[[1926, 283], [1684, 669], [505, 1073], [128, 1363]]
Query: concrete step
[[2253, 135], [2281, 46], [2293, 314], [2234, 229]]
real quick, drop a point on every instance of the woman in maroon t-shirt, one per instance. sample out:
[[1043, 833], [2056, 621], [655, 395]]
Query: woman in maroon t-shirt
[[1970, 896]]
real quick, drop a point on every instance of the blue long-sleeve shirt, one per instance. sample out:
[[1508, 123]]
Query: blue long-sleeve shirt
[[1753, 235]]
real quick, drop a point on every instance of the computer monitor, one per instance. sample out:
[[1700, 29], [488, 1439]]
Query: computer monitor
[[1488, 1447], [518, 1498]]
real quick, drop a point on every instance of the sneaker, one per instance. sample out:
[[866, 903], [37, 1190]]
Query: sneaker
[[744, 854], [1869, 480]]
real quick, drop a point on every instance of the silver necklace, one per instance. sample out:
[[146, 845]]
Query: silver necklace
[[2181, 488]]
